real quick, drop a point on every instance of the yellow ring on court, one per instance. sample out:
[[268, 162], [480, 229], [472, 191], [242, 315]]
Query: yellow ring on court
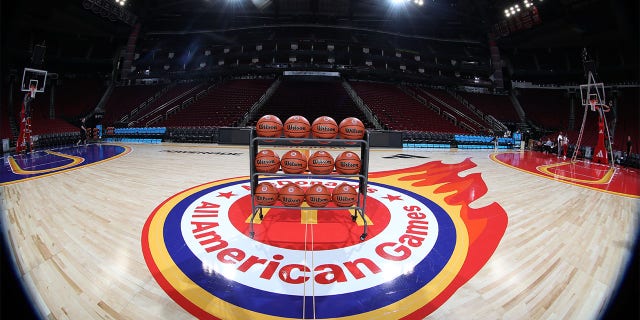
[[545, 169], [75, 160]]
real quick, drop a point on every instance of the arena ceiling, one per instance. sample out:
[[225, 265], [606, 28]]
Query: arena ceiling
[[564, 22]]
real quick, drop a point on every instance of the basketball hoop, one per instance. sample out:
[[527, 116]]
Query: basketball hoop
[[32, 90], [595, 106]]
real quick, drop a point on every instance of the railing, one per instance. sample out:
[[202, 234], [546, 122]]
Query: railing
[[261, 101], [456, 111], [164, 105], [363, 106]]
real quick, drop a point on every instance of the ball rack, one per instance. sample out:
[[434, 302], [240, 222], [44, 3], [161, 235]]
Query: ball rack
[[358, 208]]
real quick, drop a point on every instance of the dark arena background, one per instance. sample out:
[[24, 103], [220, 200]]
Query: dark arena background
[[424, 74]]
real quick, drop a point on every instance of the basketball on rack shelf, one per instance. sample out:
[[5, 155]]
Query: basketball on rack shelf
[[293, 161], [267, 161], [351, 128], [348, 162], [266, 194], [320, 162], [297, 127], [324, 127], [269, 126], [344, 195], [317, 195], [291, 195]]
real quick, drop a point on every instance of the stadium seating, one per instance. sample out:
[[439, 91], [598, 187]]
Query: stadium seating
[[222, 105], [398, 111]]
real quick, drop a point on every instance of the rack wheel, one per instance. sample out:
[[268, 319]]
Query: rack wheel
[[363, 236], [251, 234]]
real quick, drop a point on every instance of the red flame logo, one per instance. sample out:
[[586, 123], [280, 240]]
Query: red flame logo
[[485, 225]]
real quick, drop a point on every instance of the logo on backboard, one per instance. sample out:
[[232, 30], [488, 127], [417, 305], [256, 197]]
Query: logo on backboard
[[423, 242]]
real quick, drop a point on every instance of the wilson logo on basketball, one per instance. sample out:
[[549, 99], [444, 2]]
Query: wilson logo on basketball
[[424, 242], [290, 163], [295, 127], [348, 164], [263, 161], [325, 128], [321, 162], [266, 126]]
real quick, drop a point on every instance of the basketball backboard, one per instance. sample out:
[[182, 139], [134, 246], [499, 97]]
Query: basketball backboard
[[592, 94], [35, 77]]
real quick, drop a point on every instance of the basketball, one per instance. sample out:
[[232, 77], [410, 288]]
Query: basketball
[[324, 127], [293, 161], [269, 126], [267, 161], [317, 195], [320, 162], [344, 195], [297, 127], [266, 194], [291, 195], [348, 162], [351, 128]]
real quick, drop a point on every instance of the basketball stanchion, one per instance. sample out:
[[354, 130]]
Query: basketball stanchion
[[593, 98], [33, 81]]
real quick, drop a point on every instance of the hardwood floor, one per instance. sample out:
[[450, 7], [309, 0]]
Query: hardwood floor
[[78, 236]]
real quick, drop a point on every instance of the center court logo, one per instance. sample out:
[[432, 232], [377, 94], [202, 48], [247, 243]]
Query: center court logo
[[423, 243]]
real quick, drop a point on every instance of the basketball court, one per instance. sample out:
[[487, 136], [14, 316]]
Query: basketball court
[[162, 231]]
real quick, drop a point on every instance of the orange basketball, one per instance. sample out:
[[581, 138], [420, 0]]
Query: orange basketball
[[267, 161], [320, 162], [317, 195], [348, 162], [291, 195], [266, 194], [351, 128], [293, 161], [324, 127], [297, 127], [344, 195], [269, 126]]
